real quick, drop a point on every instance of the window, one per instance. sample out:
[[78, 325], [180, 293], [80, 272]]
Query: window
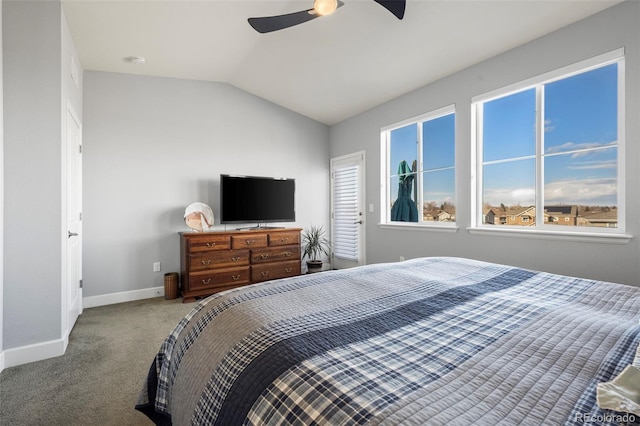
[[419, 170], [552, 148]]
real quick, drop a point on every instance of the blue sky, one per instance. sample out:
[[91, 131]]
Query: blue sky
[[580, 137], [438, 157], [580, 145]]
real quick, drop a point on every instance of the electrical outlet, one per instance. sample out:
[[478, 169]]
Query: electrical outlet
[[401, 258], [156, 266]]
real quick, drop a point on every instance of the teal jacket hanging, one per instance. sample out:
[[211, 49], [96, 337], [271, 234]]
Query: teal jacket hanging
[[404, 209]]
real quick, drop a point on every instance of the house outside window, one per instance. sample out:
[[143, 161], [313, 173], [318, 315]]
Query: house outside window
[[418, 170], [554, 144]]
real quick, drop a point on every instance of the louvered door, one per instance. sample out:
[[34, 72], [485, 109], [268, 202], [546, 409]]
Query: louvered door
[[347, 210]]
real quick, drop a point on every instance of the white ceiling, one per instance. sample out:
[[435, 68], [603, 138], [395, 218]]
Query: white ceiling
[[328, 69]]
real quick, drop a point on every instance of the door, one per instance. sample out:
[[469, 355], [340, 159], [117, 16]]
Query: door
[[73, 271], [347, 210]]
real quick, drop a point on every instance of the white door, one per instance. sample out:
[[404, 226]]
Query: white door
[[74, 221], [347, 210]]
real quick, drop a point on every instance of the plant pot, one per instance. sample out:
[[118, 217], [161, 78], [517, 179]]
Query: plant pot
[[314, 266]]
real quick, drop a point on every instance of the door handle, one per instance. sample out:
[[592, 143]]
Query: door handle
[[358, 222], [71, 234]]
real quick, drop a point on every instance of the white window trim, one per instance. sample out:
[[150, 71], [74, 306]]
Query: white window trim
[[527, 232], [385, 191], [616, 235]]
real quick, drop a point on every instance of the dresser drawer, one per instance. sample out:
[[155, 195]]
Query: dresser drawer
[[213, 261], [248, 241], [274, 254], [284, 238], [208, 242], [272, 271], [217, 278], [218, 259]]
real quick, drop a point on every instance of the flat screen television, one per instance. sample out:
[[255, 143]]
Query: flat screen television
[[255, 199]]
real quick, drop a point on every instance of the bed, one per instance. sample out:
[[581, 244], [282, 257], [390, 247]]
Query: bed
[[434, 340]]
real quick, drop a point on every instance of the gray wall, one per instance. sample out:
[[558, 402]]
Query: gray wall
[[154, 145], [614, 28], [35, 97], [1, 198], [32, 215]]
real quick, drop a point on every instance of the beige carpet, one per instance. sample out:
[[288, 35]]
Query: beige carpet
[[97, 380]]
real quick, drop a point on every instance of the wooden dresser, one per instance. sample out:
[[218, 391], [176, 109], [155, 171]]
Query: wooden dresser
[[211, 262]]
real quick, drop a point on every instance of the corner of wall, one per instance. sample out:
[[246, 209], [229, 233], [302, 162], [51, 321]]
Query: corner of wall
[[1, 202]]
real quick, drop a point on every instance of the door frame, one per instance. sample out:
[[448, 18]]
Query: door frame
[[358, 157]]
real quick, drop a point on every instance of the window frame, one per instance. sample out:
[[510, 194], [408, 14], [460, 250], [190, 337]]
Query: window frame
[[542, 228], [385, 157]]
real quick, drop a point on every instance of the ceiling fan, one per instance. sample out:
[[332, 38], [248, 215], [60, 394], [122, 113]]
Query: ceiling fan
[[268, 24]]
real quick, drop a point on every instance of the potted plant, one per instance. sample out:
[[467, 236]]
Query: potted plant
[[314, 245]]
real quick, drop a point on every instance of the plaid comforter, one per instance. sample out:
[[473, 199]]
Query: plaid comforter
[[426, 341]]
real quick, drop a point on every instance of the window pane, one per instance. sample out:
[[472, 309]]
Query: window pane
[[439, 196], [403, 198], [586, 180], [566, 152], [509, 126], [509, 193], [403, 147], [582, 111], [438, 141]]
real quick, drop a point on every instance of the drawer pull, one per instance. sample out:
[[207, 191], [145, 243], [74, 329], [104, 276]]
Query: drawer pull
[[287, 270], [249, 242], [287, 253], [235, 277], [206, 281], [264, 256], [284, 239], [235, 259], [211, 244], [206, 262], [264, 273]]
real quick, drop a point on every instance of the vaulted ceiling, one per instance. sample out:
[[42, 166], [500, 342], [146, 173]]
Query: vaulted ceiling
[[328, 69]]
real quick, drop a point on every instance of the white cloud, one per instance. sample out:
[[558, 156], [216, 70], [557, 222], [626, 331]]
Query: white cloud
[[584, 191], [548, 127], [438, 197], [595, 165], [571, 146], [510, 196]]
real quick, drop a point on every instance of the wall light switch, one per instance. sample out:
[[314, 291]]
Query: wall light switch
[[371, 208]]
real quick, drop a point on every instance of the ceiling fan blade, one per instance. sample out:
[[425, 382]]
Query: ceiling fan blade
[[268, 24], [394, 6]]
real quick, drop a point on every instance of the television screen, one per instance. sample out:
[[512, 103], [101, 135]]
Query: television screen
[[245, 199]]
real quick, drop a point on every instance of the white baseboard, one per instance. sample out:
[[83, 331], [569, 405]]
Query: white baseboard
[[39, 351], [36, 352], [123, 296]]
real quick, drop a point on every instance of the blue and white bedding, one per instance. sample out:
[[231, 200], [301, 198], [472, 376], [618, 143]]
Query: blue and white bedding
[[426, 341]]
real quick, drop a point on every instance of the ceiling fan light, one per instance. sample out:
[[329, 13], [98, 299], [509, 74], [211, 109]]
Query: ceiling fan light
[[325, 7]]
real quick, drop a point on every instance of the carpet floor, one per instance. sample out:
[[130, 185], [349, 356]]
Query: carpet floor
[[97, 380]]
